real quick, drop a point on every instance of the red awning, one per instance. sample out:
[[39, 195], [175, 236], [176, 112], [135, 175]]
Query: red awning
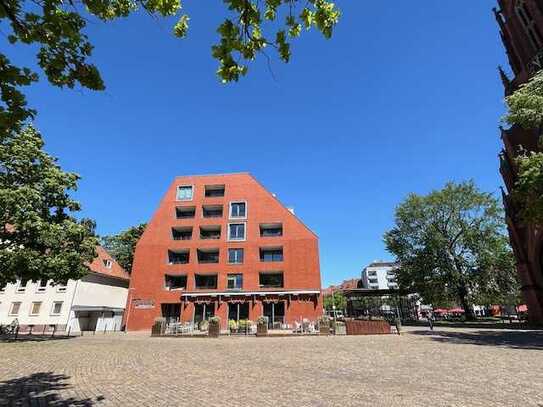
[[456, 311]]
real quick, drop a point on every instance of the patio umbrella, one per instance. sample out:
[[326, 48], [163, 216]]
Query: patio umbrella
[[456, 311]]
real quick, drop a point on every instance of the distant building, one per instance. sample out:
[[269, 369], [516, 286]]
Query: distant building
[[95, 302], [380, 275], [521, 30], [345, 285]]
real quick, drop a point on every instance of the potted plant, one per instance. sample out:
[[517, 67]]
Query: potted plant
[[203, 325], [232, 326], [324, 325], [214, 327], [262, 326]]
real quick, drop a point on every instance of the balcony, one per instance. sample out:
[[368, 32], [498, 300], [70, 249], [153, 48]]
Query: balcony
[[175, 282], [182, 233], [212, 211], [178, 256], [271, 230], [271, 280], [210, 232], [185, 212], [205, 281], [208, 256], [214, 191], [271, 254]]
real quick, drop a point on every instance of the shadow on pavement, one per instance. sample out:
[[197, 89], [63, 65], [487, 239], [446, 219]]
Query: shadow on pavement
[[510, 339], [39, 389], [33, 338]]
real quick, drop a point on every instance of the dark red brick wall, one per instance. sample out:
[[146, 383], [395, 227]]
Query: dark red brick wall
[[300, 250]]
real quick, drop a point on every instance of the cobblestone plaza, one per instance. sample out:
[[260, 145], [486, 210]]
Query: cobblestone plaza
[[449, 367]]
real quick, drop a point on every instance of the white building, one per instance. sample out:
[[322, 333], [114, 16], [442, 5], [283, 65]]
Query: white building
[[379, 275], [95, 302]]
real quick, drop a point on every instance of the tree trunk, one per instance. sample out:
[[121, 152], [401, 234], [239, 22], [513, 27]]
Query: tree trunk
[[468, 310]]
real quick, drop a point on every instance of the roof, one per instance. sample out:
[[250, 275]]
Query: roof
[[98, 265]]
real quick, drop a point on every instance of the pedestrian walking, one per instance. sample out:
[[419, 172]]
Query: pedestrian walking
[[431, 321], [398, 323]]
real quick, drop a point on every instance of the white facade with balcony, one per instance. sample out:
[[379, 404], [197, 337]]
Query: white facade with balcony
[[379, 275]]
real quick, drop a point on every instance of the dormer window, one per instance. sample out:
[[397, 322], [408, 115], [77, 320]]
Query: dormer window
[[184, 193]]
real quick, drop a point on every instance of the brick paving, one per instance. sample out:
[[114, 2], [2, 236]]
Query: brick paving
[[449, 367]]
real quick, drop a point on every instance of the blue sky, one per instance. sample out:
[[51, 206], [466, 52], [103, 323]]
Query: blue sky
[[403, 98]]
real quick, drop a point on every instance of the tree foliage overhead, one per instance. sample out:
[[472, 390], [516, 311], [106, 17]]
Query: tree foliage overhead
[[525, 109], [451, 247], [337, 299], [39, 237], [122, 245], [57, 28]]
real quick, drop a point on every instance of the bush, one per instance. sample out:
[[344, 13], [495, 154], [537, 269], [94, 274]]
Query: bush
[[232, 325], [214, 320], [262, 320]]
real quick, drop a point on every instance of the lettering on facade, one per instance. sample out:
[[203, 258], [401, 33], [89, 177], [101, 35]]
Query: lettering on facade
[[143, 304]]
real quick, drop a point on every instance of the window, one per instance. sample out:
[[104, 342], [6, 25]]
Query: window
[[15, 308], [214, 191], [271, 280], [235, 256], [182, 233], [236, 231], [172, 282], [212, 211], [238, 209], [61, 288], [42, 286], [185, 212], [210, 232], [205, 281], [107, 263], [529, 25], [21, 288], [3, 289], [234, 281], [271, 230], [35, 308], [178, 256], [184, 193], [208, 255], [57, 308], [271, 254]]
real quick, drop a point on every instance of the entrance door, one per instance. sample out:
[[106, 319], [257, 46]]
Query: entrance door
[[275, 313], [172, 312], [238, 311], [203, 312]]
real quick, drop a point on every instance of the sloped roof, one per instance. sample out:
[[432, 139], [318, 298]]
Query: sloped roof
[[98, 265]]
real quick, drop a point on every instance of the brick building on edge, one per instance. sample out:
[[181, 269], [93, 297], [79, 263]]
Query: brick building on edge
[[521, 29], [223, 245]]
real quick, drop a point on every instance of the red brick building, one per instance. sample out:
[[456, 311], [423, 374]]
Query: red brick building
[[223, 245], [521, 29]]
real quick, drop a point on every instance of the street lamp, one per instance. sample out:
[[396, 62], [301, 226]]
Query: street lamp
[[334, 308]]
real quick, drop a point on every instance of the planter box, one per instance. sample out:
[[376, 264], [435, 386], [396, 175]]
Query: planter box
[[340, 329], [324, 329], [214, 330], [262, 330], [363, 327], [159, 327]]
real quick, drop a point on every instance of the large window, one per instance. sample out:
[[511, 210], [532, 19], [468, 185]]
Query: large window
[[271, 279], [528, 23], [238, 311], [182, 233], [271, 230], [210, 232], [175, 282], [15, 308], [178, 256], [185, 212], [205, 281], [235, 256], [238, 209], [184, 193], [35, 308], [212, 191], [208, 255], [234, 281], [236, 231], [212, 211], [57, 308], [271, 254]]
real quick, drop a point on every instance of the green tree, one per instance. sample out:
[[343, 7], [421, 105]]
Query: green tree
[[451, 247], [57, 29], [337, 299], [122, 245], [525, 109], [39, 236]]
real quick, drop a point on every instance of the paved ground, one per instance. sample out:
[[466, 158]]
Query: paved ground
[[450, 367]]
